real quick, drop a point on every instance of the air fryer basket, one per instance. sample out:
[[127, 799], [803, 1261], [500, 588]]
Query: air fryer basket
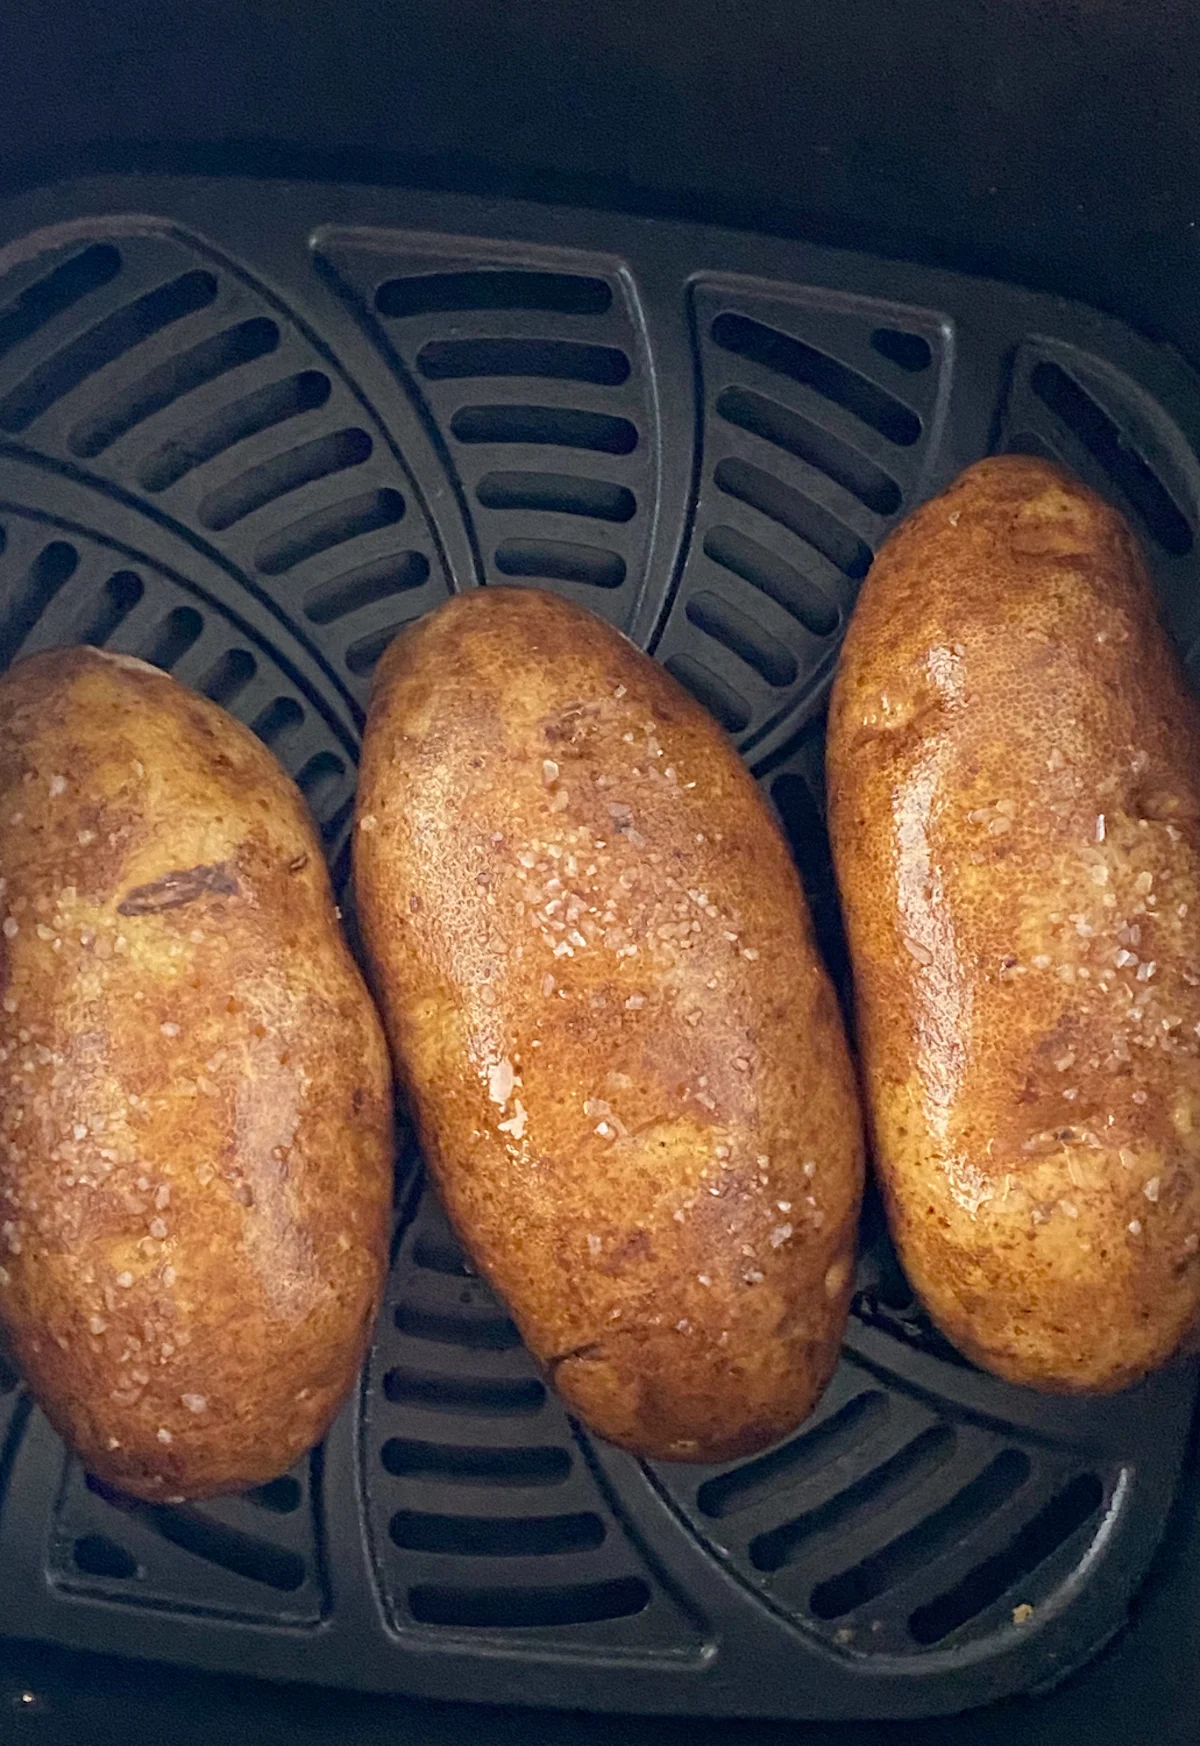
[[247, 432]]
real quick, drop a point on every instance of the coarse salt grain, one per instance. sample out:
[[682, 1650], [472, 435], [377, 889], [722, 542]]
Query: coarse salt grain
[[1134, 1227], [515, 1125], [1150, 1189], [11, 927], [594, 1243], [195, 1403], [164, 1436], [501, 1080], [169, 1029], [780, 1235], [125, 1279]]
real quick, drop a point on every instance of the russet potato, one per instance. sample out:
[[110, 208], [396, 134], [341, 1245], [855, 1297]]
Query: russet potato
[[625, 1060], [1014, 781], [195, 1105]]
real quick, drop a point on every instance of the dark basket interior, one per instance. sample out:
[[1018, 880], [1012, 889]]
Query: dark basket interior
[[249, 436]]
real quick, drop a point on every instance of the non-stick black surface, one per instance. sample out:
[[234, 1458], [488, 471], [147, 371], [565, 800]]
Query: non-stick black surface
[[246, 432]]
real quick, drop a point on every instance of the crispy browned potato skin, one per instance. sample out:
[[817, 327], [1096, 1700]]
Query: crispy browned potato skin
[[1014, 779], [600, 983], [195, 1107]]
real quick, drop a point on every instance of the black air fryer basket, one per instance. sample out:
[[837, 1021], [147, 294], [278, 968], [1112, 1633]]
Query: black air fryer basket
[[247, 432], [251, 424]]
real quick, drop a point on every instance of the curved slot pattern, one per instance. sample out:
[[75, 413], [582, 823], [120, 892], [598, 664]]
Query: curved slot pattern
[[773, 576], [493, 288], [243, 1554], [436, 1254], [787, 429], [326, 528], [364, 586], [321, 781], [496, 1536], [744, 637], [305, 465], [484, 1330], [563, 360], [180, 375], [120, 594], [561, 561], [524, 1608], [718, 698], [97, 1555], [1051, 1528], [1028, 442], [243, 418], [469, 1464], [193, 1530], [282, 1497], [1111, 450], [797, 1460], [799, 514], [109, 340], [909, 351], [557, 494], [229, 676], [558, 426], [68, 284], [173, 637], [363, 654], [902, 1557], [874, 1492], [282, 716], [787, 356], [486, 1396], [55, 564]]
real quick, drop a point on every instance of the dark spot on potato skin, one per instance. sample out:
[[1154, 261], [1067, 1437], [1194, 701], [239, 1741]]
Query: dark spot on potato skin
[[632, 1250], [182, 886]]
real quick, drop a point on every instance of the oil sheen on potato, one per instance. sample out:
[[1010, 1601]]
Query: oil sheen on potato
[[623, 1054], [1014, 779]]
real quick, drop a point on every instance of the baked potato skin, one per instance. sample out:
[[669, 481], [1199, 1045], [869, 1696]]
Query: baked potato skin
[[1014, 781], [195, 1104], [625, 1059]]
